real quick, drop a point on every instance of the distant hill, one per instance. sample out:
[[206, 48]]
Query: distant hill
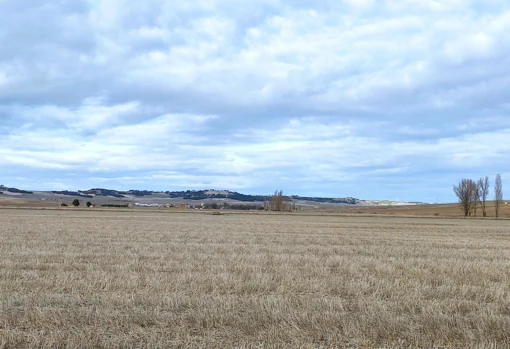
[[104, 192], [184, 195], [347, 201], [72, 193], [214, 194], [14, 190]]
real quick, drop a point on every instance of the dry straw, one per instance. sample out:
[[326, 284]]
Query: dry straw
[[82, 279]]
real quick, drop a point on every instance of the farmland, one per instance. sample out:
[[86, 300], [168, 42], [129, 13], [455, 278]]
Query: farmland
[[148, 279]]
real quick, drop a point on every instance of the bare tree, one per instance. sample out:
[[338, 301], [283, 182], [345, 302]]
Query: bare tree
[[279, 202], [475, 199], [466, 192], [498, 194], [483, 189]]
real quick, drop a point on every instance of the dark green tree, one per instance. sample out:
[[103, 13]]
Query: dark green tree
[[76, 203]]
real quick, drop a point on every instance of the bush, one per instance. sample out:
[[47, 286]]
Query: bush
[[89, 203], [63, 204], [76, 203]]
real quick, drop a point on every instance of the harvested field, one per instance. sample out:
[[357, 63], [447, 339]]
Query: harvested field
[[443, 210], [105, 279]]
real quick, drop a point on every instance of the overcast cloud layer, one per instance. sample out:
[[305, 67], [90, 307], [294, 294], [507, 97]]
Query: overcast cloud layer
[[373, 99]]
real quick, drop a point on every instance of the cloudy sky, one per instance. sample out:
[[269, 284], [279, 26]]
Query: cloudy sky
[[373, 99]]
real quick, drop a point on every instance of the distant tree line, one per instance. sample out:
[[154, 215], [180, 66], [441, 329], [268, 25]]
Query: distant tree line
[[204, 194], [348, 200], [276, 202], [103, 192], [227, 206], [472, 195], [72, 193], [76, 203], [14, 190]]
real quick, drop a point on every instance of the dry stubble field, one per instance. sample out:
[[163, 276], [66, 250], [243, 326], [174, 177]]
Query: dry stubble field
[[89, 279]]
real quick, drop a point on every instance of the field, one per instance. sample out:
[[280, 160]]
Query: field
[[443, 210], [106, 279], [434, 210]]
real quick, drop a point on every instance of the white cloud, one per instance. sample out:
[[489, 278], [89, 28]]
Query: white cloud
[[360, 4], [87, 117], [331, 91]]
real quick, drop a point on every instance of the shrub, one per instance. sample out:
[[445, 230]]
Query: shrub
[[63, 204], [76, 203], [89, 203]]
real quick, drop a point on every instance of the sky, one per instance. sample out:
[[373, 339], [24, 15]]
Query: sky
[[391, 99]]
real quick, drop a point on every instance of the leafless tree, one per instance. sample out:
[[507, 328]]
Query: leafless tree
[[498, 194], [466, 192], [279, 202], [483, 189], [475, 200]]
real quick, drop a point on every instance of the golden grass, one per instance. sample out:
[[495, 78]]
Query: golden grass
[[88, 279]]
